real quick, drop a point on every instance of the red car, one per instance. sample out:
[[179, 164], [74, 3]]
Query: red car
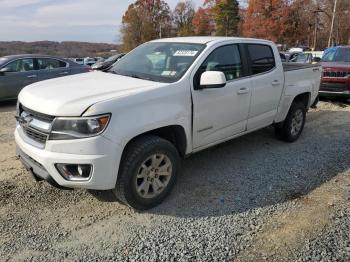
[[336, 72]]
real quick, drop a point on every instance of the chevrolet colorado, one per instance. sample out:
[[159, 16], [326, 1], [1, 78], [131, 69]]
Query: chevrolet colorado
[[126, 130]]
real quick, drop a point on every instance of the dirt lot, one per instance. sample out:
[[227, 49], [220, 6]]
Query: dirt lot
[[249, 199]]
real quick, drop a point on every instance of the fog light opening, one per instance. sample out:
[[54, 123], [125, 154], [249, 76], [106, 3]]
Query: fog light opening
[[75, 172]]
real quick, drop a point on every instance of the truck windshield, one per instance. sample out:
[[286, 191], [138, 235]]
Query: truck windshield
[[161, 62], [337, 55]]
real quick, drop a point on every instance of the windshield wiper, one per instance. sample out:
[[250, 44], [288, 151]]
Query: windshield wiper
[[133, 76]]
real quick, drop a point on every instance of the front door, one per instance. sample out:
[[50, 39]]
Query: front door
[[220, 113]]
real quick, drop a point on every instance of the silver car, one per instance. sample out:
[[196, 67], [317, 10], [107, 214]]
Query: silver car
[[18, 71]]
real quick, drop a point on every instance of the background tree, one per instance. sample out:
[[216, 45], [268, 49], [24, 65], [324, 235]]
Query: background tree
[[266, 19], [182, 17], [297, 22], [202, 23], [225, 14], [341, 30], [145, 20]]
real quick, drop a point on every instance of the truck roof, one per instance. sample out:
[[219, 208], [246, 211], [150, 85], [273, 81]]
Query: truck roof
[[207, 39]]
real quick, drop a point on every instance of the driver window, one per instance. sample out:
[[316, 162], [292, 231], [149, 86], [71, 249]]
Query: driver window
[[225, 59], [21, 65]]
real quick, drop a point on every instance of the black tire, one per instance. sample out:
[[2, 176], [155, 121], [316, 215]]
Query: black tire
[[134, 156], [284, 130]]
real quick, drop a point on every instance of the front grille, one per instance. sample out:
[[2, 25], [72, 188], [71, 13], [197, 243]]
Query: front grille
[[35, 134], [336, 74], [37, 115]]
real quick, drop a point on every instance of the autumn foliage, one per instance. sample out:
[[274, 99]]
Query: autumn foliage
[[297, 22], [145, 20], [182, 16], [202, 23], [288, 22]]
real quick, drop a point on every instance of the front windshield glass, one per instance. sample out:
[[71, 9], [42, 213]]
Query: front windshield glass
[[337, 55], [161, 62]]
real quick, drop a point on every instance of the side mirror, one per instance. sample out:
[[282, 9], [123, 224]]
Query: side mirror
[[212, 79], [4, 70]]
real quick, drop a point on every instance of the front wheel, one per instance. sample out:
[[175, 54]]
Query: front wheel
[[293, 125], [147, 172], [314, 104]]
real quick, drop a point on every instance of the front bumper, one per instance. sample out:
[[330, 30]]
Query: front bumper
[[344, 94], [335, 87], [100, 152]]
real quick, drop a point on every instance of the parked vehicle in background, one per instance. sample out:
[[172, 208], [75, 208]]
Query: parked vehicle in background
[[288, 56], [89, 61], [79, 61], [283, 57], [301, 58], [299, 49], [336, 72], [18, 71], [169, 98], [318, 54], [108, 63]]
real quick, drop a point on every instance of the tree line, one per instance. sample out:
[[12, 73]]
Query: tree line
[[287, 22], [64, 49]]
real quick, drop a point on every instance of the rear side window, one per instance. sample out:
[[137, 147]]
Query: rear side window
[[261, 57], [49, 63]]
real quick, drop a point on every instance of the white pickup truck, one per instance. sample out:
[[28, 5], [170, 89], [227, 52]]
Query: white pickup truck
[[126, 130]]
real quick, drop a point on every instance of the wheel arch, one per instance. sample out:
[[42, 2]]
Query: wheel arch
[[304, 98], [175, 134], [287, 102]]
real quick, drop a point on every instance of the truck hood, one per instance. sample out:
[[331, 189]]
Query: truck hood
[[72, 95]]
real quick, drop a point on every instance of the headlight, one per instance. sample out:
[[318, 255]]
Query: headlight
[[64, 128]]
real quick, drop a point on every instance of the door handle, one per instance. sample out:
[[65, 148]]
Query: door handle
[[316, 69], [243, 90], [63, 73], [275, 83], [32, 76]]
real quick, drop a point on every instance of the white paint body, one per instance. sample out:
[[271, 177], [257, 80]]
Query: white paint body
[[208, 116]]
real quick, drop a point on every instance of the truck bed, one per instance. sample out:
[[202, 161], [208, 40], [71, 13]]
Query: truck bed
[[296, 66]]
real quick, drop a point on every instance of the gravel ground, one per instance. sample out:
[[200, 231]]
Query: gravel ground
[[249, 199]]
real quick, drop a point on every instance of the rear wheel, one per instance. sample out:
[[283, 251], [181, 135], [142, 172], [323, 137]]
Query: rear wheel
[[293, 125], [147, 172]]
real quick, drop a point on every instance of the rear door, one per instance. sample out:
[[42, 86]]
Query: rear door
[[220, 113], [19, 73], [52, 68], [267, 84]]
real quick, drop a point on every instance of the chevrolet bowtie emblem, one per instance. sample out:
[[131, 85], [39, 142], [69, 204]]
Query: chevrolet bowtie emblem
[[24, 121]]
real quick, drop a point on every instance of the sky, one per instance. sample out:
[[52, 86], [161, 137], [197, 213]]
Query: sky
[[64, 20]]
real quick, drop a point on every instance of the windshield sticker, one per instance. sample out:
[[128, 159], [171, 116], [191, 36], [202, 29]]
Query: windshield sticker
[[185, 53], [168, 73]]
